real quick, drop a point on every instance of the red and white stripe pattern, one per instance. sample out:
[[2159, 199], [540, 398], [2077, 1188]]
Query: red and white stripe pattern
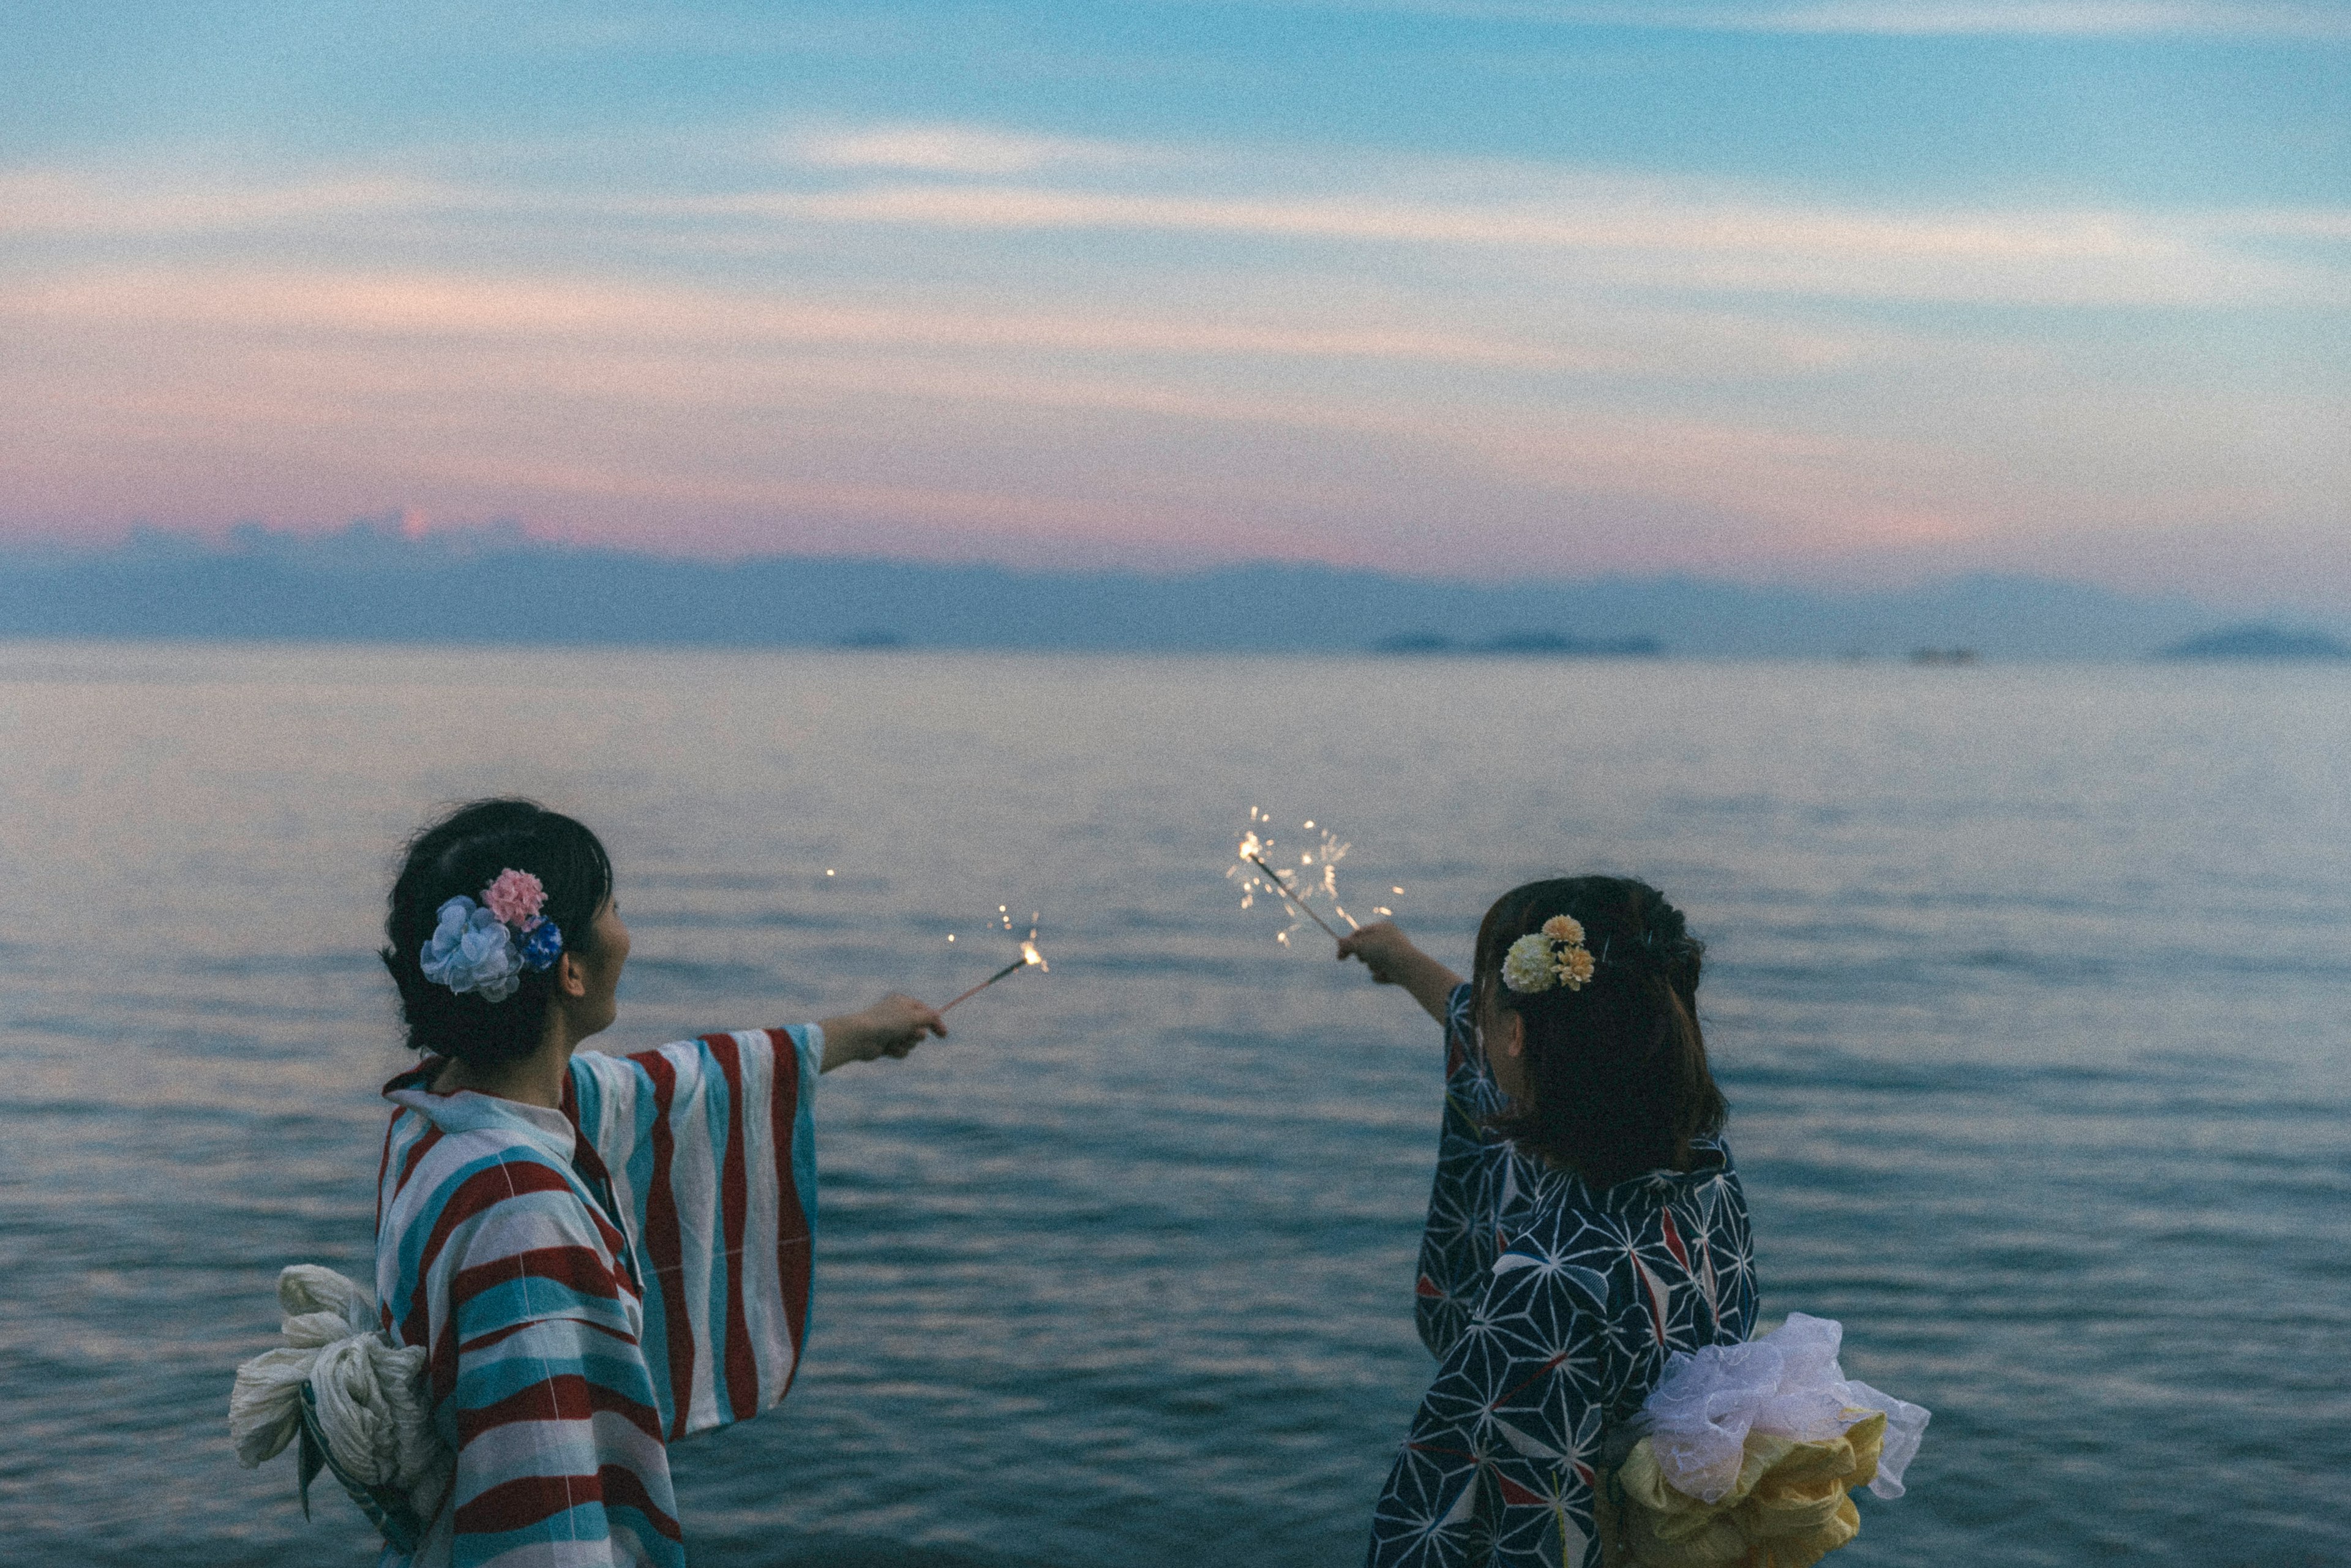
[[710, 1144], [596, 1280]]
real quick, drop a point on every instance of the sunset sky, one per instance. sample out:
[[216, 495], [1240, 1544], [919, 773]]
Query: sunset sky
[[1846, 290]]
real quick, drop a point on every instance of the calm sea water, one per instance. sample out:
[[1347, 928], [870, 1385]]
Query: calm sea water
[[2028, 985]]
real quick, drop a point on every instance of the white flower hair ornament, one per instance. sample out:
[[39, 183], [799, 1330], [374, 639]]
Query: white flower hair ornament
[[487, 946], [1554, 955]]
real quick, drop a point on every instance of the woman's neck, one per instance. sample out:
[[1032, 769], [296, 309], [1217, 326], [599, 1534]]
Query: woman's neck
[[533, 1080]]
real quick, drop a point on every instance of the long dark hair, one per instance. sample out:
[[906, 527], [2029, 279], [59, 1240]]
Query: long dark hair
[[1616, 1069], [463, 853]]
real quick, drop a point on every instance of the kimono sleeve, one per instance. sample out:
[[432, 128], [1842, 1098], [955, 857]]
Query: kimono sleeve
[[710, 1147], [1457, 1246], [1499, 1466], [559, 1460]]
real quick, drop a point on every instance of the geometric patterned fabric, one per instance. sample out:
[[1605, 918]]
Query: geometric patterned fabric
[[1551, 1309]]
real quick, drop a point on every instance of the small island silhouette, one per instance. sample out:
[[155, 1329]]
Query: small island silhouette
[[2259, 642], [1548, 644]]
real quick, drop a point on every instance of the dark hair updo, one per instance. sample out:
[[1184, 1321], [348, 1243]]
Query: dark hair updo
[[1616, 1068], [463, 853]]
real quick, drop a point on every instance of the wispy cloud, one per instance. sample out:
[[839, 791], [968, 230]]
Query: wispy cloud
[[968, 329], [2027, 256], [592, 399], [453, 307], [73, 202], [1604, 230], [2050, 18], [1902, 18], [959, 150]]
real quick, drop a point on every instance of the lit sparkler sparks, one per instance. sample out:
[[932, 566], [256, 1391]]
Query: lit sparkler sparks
[[1315, 876], [1030, 957]]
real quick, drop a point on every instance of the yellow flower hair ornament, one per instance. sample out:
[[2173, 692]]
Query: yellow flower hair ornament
[[1554, 955]]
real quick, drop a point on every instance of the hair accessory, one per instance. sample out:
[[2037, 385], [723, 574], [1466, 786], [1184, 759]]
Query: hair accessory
[[487, 947], [1554, 955]]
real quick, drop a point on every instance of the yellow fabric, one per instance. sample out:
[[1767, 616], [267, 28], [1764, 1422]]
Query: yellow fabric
[[1787, 1510]]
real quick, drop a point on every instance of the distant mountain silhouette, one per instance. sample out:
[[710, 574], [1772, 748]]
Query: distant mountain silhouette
[[1550, 643], [2259, 642], [371, 582]]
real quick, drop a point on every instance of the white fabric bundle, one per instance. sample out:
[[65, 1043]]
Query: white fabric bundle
[[1786, 1384], [373, 1406]]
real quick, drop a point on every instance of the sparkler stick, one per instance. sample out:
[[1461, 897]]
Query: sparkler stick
[[1256, 872], [1028, 956], [1283, 888]]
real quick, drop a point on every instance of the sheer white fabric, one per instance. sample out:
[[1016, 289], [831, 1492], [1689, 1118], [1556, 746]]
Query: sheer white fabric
[[1785, 1383]]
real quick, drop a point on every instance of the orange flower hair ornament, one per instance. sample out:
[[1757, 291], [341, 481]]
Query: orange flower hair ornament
[[1554, 955]]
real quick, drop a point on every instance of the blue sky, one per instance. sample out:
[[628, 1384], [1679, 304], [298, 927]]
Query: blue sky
[[1845, 290]]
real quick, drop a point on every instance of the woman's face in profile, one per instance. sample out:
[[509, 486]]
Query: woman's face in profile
[[600, 971]]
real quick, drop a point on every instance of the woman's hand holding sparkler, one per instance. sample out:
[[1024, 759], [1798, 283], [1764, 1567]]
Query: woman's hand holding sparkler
[[1392, 959], [892, 1026]]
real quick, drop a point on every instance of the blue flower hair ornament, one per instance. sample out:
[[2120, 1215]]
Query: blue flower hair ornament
[[487, 946], [542, 944]]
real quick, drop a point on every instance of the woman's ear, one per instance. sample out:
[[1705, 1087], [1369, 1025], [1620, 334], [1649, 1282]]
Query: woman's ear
[[1511, 1031], [570, 978]]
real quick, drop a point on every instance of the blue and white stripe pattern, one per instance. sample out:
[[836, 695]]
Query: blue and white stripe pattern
[[594, 1282]]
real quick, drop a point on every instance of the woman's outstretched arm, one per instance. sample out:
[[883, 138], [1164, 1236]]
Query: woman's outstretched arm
[[1457, 1247], [891, 1026], [1393, 960]]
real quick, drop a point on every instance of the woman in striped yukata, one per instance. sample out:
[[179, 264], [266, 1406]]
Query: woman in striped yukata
[[600, 1254], [1585, 1221]]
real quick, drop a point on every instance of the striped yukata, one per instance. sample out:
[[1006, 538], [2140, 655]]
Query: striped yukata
[[596, 1283]]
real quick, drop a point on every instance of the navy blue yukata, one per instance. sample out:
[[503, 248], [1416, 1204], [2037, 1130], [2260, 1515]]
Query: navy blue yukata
[[1553, 1309]]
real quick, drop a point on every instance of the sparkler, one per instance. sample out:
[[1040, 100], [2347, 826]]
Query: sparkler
[[1293, 887], [1030, 956]]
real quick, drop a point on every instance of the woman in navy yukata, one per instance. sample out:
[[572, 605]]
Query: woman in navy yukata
[[600, 1254], [1585, 1221]]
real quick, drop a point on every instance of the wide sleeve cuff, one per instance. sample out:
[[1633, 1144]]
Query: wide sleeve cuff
[[711, 1146]]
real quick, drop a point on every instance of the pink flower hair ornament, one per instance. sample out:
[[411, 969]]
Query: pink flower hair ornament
[[515, 897]]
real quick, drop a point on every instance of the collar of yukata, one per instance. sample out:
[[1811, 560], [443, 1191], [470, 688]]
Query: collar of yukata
[[486, 945]]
